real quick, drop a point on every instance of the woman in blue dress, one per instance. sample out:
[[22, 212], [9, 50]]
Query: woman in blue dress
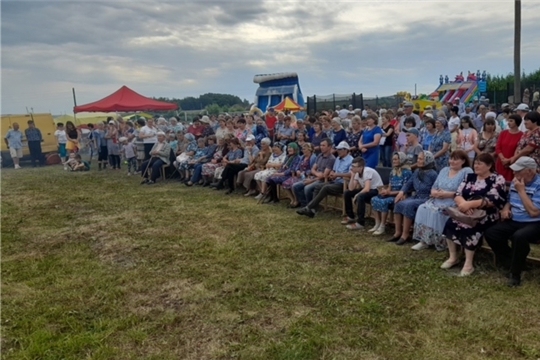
[[369, 141], [430, 219], [440, 144], [380, 204], [420, 182]]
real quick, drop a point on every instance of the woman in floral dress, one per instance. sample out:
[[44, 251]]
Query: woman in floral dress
[[484, 190], [288, 167], [380, 204], [354, 136], [487, 139], [209, 168], [430, 218], [303, 170]]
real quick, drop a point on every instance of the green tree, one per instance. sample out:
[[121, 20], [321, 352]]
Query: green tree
[[213, 109]]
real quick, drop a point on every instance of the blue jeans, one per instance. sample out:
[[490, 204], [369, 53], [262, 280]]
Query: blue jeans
[[304, 193], [386, 155], [197, 169]]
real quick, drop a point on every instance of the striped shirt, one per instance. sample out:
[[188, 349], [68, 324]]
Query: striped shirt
[[532, 189]]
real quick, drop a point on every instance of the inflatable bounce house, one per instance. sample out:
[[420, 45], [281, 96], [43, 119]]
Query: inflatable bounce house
[[464, 88], [274, 88]]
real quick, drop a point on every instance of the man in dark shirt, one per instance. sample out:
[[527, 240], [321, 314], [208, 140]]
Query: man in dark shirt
[[34, 138]]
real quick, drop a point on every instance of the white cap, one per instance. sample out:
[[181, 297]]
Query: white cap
[[523, 107], [505, 105], [122, 139], [343, 145], [524, 162], [491, 114], [429, 115], [250, 138]]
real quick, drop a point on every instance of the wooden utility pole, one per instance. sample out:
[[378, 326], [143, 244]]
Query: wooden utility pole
[[517, 51]]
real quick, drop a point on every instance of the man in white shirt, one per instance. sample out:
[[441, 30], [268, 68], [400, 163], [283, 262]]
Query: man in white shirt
[[362, 187], [342, 113], [460, 105], [522, 110], [453, 126], [148, 134]]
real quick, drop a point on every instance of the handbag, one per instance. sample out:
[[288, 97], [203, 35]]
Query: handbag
[[470, 220]]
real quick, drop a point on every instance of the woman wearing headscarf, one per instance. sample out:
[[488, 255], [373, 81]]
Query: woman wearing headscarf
[[440, 144], [182, 160], [303, 170], [421, 183], [209, 168], [380, 204], [287, 169], [430, 217]]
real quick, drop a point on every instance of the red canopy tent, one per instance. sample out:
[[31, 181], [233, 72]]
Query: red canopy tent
[[125, 99]]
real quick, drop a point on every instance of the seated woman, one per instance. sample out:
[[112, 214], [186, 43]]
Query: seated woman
[[274, 163], [380, 204], [430, 217], [258, 163], [208, 169], [182, 160], [302, 171], [159, 156], [199, 155], [235, 152], [289, 166], [196, 170], [484, 190], [405, 208]]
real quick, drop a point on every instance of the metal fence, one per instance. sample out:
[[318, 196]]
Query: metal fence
[[318, 103]]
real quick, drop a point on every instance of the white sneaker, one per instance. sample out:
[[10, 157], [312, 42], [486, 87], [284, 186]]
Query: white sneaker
[[17, 166], [65, 168], [258, 197], [129, 174], [355, 226], [375, 228], [347, 220], [380, 231], [420, 246]]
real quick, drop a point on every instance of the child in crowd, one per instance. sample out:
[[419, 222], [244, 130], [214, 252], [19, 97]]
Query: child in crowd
[[61, 140], [79, 164], [70, 163], [129, 152]]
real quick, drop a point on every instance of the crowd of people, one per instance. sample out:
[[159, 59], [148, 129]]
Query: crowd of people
[[455, 175]]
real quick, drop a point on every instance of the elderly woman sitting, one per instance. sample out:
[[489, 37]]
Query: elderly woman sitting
[[287, 169], [199, 156], [182, 159], [209, 168], [198, 164], [274, 163], [380, 204], [302, 171], [159, 156], [256, 164], [421, 182]]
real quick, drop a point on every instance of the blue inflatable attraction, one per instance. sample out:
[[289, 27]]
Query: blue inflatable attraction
[[273, 88]]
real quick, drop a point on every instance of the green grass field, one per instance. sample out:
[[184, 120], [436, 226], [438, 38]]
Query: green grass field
[[96, 266]]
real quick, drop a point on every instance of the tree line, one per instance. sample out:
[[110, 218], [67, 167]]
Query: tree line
[[209, 100], [500, 82]]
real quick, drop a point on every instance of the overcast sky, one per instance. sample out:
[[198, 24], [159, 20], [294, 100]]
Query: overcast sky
[[181, 49]]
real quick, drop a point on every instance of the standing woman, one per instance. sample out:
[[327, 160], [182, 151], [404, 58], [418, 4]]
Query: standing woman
[[487, 139], [338, 133], [354, 136], [73, 136], [387, 140], [427, 133], [148, 134], [440, 144], [484, 190], [529, 144], [466, 137], [506, 146], [139, 144], [369, 142], [113, 147], [317, 137]]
